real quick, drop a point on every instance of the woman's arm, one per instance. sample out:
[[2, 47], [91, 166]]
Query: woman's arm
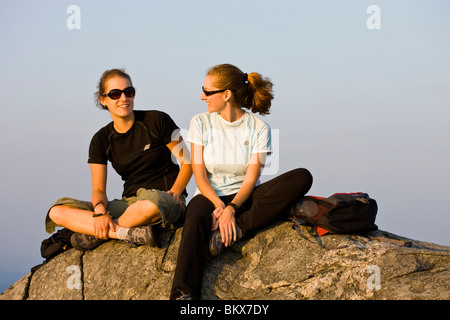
[[100, 200], [203, 183], [98, 175], [226, 217], [201, 178], [180, 151]]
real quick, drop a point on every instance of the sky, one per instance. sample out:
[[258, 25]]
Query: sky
[[362, 97]]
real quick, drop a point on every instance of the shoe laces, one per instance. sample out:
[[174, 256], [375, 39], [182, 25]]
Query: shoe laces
[[138, 236]]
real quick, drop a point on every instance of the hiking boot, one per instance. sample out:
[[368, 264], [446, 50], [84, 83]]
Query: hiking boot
[[216, 245], [144, 235], [85, 242]]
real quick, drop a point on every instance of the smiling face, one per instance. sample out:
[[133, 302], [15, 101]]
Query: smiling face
[[122, 107], [216, 102]]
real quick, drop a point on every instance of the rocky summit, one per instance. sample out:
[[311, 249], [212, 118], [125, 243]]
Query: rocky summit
[[275, 264]]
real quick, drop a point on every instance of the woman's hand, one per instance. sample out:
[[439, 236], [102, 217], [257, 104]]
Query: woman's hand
[[102, 224], [227, 225], [216, 215], [176, 196]]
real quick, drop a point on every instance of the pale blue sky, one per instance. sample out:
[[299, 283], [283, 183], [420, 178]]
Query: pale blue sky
[[363, 110]]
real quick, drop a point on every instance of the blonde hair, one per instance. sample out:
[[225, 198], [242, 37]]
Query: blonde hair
[[251, 91]]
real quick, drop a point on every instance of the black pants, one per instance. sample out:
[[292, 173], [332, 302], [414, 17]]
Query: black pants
[[269, 202]]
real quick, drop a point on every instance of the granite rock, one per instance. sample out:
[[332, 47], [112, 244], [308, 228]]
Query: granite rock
[[274, 264]]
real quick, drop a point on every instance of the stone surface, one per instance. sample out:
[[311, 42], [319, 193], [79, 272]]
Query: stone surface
[[275, 264]]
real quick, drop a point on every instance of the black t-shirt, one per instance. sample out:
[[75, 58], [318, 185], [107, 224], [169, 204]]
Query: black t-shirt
[[140, 155]]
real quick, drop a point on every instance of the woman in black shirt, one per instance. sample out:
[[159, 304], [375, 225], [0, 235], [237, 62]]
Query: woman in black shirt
[[139, 145]]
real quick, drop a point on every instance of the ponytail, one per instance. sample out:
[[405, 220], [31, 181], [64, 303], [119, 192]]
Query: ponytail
[[251, 91]]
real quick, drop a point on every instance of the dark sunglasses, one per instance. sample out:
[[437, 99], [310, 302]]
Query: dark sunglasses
[[209, 93], [115, 94]]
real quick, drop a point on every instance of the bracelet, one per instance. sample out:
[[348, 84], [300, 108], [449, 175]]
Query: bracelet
[[95, 215], [97, 204], [231, 204]]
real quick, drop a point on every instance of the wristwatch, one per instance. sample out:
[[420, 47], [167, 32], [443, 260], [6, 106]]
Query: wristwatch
[[231, 204]]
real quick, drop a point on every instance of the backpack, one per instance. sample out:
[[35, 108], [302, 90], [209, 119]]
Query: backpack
[[339, 213], [57, 243]]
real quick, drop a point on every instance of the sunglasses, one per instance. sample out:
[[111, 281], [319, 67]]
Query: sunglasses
[[115, 94], [209, 93]]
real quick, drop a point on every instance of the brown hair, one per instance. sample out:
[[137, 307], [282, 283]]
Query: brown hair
[[108, 74], [250, 91]]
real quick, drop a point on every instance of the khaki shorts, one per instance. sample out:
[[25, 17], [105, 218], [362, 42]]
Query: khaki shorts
[[172, 212]]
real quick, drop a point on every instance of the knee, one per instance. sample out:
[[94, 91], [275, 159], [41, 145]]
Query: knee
[[147, 208], [303, 175], [56, 214]]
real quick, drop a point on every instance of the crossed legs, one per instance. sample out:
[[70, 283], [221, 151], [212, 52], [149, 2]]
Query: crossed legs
[[141, 212]]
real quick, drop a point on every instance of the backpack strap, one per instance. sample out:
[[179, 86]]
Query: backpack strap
[[296, 227], [401, 243]]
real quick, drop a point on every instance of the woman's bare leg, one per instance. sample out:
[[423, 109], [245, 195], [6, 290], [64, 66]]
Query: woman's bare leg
[[139, 213], [77, 220]]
